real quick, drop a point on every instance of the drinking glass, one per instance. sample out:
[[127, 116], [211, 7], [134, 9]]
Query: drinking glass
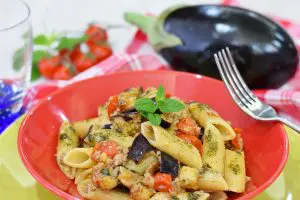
[[15, 58]]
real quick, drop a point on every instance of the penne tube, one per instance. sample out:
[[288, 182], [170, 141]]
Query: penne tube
[[79, 158], [172, 145], [67, 140], [213, 148], [88, 191], [204, 115], [98, 134], [162, 196], [82, 127], [82, 174], [235, 172], [211, 180], [128, 97]]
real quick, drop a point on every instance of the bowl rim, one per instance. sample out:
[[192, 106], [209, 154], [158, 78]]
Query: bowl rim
[[66, 195]]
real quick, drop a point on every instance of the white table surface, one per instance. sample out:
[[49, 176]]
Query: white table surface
[[49, 15]]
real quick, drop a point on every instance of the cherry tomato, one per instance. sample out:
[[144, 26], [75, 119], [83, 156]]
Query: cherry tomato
[[188, 126], [96, 34], [62, 73], [47, 66], [64, 52], [192, 140], [237, 142], [113, 105], [84, 61], [162, 182], [75, 52], [100, 52]]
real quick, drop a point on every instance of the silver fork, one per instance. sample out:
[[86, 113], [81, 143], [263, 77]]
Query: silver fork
[[242, 95]]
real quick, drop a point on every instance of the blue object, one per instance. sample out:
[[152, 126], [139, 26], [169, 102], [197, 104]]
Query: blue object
[[10, 108]]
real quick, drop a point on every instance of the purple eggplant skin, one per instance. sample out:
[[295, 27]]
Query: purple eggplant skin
[[265, 54], [165, 124], [169, 165], [139, 147], [107, 126]]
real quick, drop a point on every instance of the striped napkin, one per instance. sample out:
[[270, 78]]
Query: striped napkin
[[140, 56]]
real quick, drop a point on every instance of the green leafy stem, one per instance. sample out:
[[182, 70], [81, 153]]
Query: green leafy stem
[[148, 107]]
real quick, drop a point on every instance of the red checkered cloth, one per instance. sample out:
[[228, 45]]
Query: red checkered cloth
[[140, 56]]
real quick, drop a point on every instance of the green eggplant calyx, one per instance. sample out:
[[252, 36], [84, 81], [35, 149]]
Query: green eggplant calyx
[[154, 29]]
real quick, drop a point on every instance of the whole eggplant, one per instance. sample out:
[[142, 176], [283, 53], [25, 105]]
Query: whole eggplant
[[188, 36]]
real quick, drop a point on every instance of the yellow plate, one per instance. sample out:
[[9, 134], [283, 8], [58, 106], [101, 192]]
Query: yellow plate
[[17, 183]]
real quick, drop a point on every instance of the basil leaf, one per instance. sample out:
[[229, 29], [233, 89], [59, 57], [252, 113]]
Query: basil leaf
[[38, 55], [154, 118], [170, 105], [44, 40], [35, 73], [41, 40], [18, 59], [145, 104], [70, 43], [160, 94]]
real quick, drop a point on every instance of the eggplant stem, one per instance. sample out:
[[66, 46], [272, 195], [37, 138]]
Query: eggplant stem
[[153, 27]]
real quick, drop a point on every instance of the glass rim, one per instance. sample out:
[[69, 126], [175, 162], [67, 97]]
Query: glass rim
[[21, 21]]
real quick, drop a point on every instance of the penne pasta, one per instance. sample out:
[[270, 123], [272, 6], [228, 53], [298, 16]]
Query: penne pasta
[[211, 180], [204, 115], [128, 97], [154, 148], [218, 196], [79, 158], [87, 190], [161, 196], [213, 148], [67, 140], [235, 172], [82, 127], [98, 134], [172, 145], [82, 174]]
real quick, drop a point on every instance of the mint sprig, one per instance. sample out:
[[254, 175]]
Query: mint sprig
[[147, 107]]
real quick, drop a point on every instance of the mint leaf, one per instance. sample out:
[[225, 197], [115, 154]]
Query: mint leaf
[[70, 43], [145, 104], [160, 94], [154, 118], [171, 105], [18, 59]]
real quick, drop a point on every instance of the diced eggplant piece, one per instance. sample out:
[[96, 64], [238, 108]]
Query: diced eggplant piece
[[165, 124], [139, 147], [130, 111], [169, 165], [201, 134], [107, 126]]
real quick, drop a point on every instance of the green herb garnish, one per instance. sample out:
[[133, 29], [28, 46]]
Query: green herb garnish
[[147, 107]]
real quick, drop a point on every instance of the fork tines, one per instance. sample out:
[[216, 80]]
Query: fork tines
[[232, 78]]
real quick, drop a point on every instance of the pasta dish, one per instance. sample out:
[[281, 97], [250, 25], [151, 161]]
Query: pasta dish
[[148, 144]]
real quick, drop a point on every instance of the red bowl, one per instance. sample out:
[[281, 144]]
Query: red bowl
[[266, 143]]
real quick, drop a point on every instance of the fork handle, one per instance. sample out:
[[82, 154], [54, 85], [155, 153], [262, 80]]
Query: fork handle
[[289, 124]]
